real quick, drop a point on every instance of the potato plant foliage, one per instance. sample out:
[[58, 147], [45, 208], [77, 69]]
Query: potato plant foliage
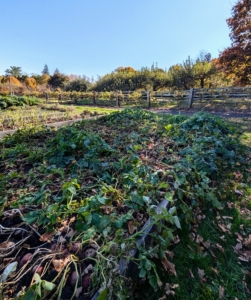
[[95, 184]]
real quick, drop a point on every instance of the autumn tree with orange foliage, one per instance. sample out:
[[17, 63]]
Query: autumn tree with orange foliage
[[11, 79], [31, 83], [236, 60]]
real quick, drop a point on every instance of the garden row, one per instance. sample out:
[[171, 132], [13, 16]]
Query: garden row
[[76, 201], [14, 101]]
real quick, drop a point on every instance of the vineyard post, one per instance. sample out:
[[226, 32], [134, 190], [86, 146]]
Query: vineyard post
[[117, 99], [46, 97], [148, 98], [94, 98], [190, 100], [59, 98], [10, 87]]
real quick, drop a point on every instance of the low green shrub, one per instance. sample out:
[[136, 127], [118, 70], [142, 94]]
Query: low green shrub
[[7, 101]]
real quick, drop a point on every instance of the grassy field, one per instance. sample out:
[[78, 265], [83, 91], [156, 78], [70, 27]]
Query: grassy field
[[75, 200]]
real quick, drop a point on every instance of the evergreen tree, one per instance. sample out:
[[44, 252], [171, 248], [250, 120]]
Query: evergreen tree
[[46, 70]]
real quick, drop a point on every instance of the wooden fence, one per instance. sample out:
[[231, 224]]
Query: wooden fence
[[204, 98], [228, 97]]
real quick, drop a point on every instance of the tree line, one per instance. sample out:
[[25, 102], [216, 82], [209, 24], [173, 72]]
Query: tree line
[[232, 67]]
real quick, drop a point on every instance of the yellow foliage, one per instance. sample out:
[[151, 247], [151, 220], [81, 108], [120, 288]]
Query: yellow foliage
[[43, 79], [13, 80], [31, 83]]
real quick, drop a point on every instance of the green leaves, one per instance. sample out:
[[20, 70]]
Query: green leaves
[[169, 196], [103, 295], [101, 199], [118, 170], [38, 289], [32, 216]]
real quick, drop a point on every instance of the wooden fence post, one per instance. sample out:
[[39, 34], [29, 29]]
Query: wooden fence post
[[148, 99], [94, 98], [117, 99], [46, 97], [59, 98], [190, 100]]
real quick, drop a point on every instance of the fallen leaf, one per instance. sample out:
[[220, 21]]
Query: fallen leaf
[[191, 273], [5, 245], [5, 262], [131, 227], [61, 240], [47, 237], [70, 233], [72, 220], [176, 239], [230, 205], [168, 290], [59, 264], [239, 192], [247, 242], [216, 270], [79, 291], [238, 247], [168, 266], [241, 258], [8, 270], [223, 228], [221, 292], [170, 287], [241, 226], [192, 236], [207, 244], [201, 274], [229, 226], [199, 239], [169, 253], [239, 237], [213, 255], [245, 286], [219, 247], [174, 286]]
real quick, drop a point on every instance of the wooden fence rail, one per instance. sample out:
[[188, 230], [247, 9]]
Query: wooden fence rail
[[195, 97]]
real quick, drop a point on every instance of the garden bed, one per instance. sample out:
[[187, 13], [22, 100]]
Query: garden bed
[[76, 200]]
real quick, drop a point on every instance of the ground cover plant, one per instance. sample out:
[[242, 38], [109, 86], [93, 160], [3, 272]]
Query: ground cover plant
[[75, 202], [26, 117], [9, 101], [16, 117]]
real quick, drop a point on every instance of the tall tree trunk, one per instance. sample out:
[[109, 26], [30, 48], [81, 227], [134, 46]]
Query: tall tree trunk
[[202, 82]]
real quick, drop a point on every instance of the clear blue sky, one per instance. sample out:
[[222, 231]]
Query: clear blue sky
[[94, 37]]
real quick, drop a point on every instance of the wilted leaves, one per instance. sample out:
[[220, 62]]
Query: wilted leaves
[[131, 227], [168, 266], [59, 264]]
